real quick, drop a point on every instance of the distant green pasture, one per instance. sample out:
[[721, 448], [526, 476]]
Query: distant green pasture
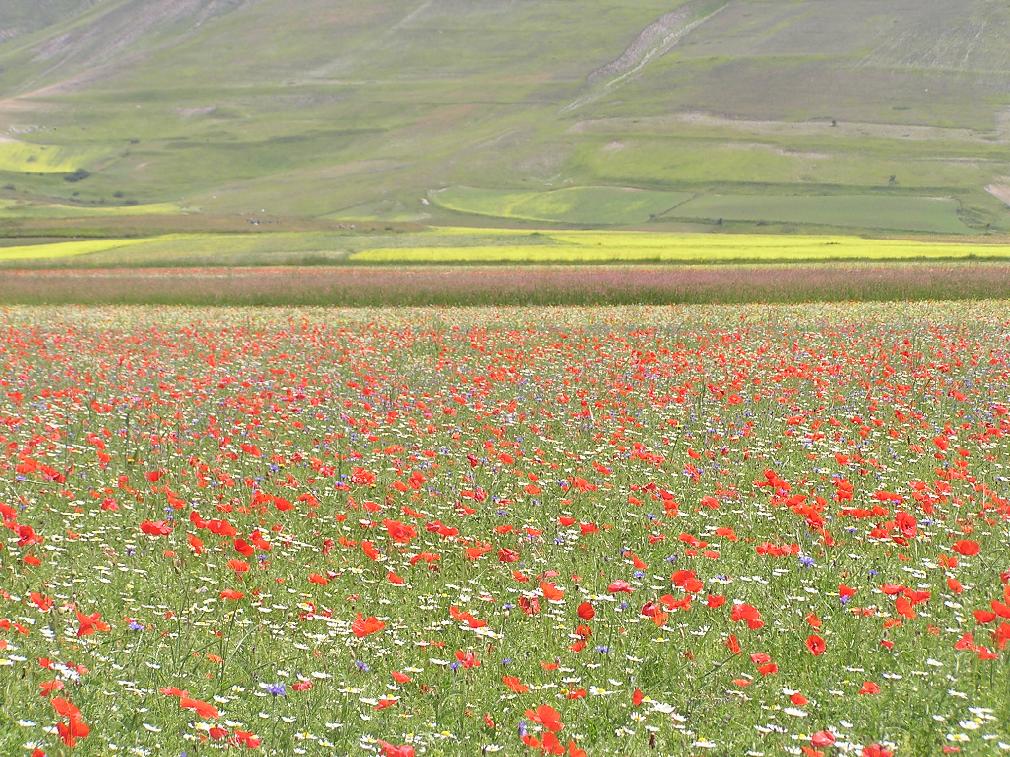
[[590, 206]]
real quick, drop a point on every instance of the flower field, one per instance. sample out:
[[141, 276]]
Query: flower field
[[670, 530], [470, 285]]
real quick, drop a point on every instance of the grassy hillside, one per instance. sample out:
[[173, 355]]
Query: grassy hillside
[[794, 115]]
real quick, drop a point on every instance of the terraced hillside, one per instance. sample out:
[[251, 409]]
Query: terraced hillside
[[771, 115]]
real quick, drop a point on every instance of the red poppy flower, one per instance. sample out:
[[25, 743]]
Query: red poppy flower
[[966, 547], [514, 684], [363, 626], [816, 645], [822, 739], [89, 624], [546, 716], [156, 527], [551, 592]]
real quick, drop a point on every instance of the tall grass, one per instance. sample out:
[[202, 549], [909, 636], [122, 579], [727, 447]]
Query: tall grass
[[496, 285]]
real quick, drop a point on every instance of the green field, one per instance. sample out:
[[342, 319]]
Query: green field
[[58, 251], [463, 246], [917, 214], [517, 114], [613, 206], [186, 249], [11, 209], [603, 246], [17, 157], [584, 206]]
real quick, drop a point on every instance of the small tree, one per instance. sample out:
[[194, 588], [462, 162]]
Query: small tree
[[79, 175]]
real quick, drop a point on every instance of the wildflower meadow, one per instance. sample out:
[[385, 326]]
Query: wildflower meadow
[[691, 530]]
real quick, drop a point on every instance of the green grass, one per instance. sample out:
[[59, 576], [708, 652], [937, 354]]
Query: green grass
[[809, 159], [13, 209], [585, 206], [915, 214], [601, 206], [31, 158], [220, 116]]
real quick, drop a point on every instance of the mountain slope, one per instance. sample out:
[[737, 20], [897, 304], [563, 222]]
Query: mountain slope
[[366, 109], [20, 17]]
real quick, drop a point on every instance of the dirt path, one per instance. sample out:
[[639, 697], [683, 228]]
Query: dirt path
[[1000, 191], [654, 41]]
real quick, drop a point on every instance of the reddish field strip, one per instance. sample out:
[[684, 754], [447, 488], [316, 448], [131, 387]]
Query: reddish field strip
[[350, 285]]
